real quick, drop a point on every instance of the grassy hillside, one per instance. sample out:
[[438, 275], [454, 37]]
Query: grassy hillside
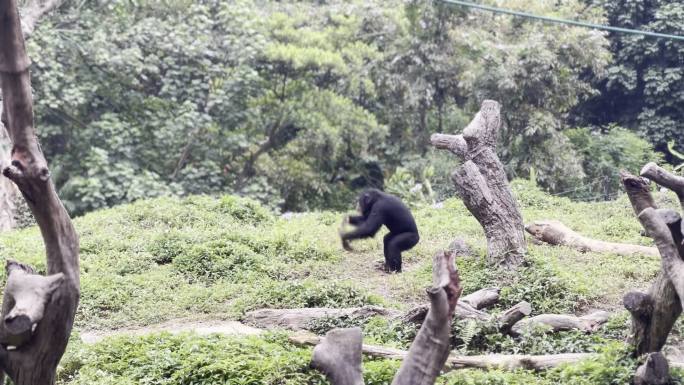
[[215, 258]]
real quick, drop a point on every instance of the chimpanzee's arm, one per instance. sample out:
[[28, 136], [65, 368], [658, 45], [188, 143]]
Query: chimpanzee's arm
[[356, 219], [368, 227]]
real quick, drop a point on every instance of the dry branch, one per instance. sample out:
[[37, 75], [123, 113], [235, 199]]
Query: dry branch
[[659, 175], [35, 362], [481, 182], [556, 233]]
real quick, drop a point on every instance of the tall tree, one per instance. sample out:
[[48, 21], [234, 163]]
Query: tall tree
[[644, 86]]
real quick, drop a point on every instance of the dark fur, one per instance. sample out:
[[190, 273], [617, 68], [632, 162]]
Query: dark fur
[[378, 208]]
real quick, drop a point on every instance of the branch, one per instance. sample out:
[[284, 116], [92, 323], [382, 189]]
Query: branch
[[454, 143], [659, 175], [555, 233], [430, 349], [32, 15], [672, 262], [638, 191]]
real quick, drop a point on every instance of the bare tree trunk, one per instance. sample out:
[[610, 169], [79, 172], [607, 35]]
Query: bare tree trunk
[[9, 193], [338, 355], [38, 312], [654, 312], [555, 233], [481, 182]]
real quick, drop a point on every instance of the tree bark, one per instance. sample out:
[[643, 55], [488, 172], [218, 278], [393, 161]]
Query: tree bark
[[8, 191], [654, 312], [338, 355], [481, 182], [38, 312], [557, 234]]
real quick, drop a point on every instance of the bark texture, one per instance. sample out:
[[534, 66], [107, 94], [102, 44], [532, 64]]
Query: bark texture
[[38, 312], [481, 182], [557, 234], [654, 312]]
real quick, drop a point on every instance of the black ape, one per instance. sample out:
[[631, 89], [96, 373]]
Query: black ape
[[378, 208]]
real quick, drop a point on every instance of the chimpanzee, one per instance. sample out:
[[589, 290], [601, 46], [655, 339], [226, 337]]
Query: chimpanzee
[[378, 208]]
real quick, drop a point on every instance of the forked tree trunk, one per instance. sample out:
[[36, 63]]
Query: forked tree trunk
[[38, 312], [338, 355], [481, 182], [655, 312]]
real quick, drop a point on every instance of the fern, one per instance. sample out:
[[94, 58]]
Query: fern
[[468, 332]]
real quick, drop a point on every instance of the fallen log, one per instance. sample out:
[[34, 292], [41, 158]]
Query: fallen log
[[556, 233], [455, 362], [561, 322]]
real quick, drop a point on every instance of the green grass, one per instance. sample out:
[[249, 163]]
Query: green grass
[[216, 258]]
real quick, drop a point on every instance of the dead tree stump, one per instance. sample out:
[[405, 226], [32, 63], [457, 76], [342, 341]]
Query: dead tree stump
[[481, 182], [37, 312]]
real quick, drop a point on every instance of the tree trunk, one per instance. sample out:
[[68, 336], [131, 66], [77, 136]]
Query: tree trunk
[[481, 182], [655, 312], [38, 312]]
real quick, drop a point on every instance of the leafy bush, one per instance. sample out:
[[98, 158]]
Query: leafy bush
[[603, 155]]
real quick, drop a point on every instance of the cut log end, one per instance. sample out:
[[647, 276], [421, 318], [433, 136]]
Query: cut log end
[[338, 355], [655, 371]]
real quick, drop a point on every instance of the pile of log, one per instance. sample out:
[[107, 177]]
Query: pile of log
[[514, 321]]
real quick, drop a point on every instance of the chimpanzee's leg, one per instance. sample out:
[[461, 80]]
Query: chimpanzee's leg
[[385, 242], [396, 245]]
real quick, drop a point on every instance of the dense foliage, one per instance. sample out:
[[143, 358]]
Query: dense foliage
[[644, 86], [300, 104]]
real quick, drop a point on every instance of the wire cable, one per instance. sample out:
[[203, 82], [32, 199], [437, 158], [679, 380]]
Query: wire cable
[[563, 21]]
